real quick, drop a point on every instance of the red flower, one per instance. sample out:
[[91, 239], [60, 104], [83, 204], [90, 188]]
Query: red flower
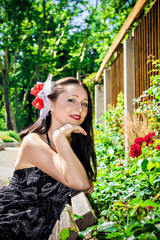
[[120, 164], [135, 150], [158, 147], [36, 89], [148, 138], [38, 103], [138, 141], [153, 133]]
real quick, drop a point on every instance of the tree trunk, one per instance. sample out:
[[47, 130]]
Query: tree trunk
[[10, 121], [7, 103], [13, 119], [40, 45], [16, 107]]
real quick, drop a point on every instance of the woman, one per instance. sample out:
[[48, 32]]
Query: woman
[[56, 159]]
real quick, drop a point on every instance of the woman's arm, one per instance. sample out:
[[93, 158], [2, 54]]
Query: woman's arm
[[73, 170], [62, 165]]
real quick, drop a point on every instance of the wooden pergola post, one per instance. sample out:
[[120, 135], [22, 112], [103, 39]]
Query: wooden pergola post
[[107, 89], [99, 101], [128, 58]]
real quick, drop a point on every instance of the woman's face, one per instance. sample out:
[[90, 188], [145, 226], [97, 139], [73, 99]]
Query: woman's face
[[71, 106]]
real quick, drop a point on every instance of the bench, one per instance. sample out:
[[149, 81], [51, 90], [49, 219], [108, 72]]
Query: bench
[[79, 206]]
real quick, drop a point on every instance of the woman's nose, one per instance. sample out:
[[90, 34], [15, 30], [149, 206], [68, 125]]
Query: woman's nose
[[79, 107]]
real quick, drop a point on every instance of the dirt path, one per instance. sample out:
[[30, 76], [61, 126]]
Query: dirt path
[[7, 161]]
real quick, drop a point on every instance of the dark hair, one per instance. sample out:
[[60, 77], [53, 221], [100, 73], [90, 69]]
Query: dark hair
[[83, 146]]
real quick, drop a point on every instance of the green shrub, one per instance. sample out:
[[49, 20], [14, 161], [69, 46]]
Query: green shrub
[[6, 138], [108, 134], [2, 119], [126, 197], [9, 136], [14, 135]]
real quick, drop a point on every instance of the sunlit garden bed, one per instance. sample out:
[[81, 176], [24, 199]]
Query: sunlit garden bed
[[9, 139]]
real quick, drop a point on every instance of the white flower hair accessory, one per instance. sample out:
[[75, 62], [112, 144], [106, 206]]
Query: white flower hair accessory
[[41, 91]]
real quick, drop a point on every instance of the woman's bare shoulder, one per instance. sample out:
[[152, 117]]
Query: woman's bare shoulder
[[36, 152], [31, 139], [32, 146]]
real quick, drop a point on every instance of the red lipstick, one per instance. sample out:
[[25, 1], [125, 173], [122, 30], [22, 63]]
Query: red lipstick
[[76, 117]]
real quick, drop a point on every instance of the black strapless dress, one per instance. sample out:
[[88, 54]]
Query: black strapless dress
[[31, 204]]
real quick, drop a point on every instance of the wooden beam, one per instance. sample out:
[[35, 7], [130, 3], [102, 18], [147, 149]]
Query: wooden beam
[[138, 8]]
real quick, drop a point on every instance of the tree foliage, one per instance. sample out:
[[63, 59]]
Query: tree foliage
[[66, 38]]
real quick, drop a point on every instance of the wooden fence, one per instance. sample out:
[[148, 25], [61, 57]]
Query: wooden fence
[[146, 47], [116, 76]]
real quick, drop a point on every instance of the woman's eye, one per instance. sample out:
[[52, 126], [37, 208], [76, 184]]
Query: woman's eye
[[85, 104], [71, 100]]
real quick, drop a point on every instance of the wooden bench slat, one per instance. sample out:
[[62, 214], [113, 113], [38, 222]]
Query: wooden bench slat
[[64, 222], [82, 207], [79, 206]]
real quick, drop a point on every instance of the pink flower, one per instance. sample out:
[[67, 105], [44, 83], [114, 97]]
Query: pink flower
[[148, 138], [138, 141], [158, 147], [135, 150]]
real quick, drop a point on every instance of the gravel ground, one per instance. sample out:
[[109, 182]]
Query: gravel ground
[[7, 161]]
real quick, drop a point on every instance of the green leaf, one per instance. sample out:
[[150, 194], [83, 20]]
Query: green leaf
[[120, 204], [64, 234], [77, 216], [151, 178], [87, 231], [138, 232], [150, 165], [105, 225], [144, 165], [144, 150], [150, 227], [150, 203], [155, 159], [136, 201], [113, 235]]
